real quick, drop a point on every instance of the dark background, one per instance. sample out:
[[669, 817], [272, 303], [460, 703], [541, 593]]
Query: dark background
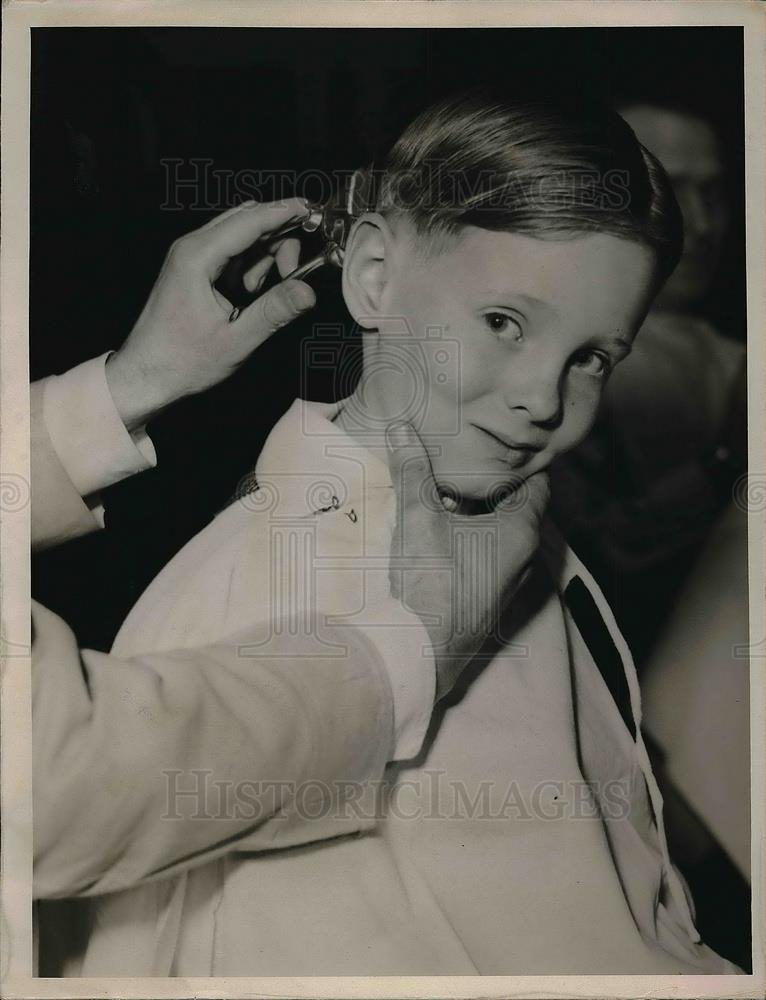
[[108, 105]]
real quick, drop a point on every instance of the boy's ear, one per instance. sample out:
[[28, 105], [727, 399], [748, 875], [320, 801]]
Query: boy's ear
[[367, 268]]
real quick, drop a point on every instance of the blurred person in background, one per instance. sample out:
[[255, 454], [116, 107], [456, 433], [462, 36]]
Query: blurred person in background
[[646, 501], [639, 497]]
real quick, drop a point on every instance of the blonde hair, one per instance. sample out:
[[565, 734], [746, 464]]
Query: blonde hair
[[546, 168]]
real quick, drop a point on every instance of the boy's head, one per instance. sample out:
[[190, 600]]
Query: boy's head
[[513, 255]]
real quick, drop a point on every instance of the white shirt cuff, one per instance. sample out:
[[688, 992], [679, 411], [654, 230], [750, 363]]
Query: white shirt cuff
[[405, 646], [89, 437]]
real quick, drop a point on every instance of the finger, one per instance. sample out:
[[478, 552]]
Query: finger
[[222, 301], [225, 215], [411, 472], [539, 491], [253, 278], [417, 501], [240, 230], [287, 256], [520, 526], [279, 306]]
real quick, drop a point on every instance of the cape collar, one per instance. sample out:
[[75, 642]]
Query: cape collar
[[309, 463]]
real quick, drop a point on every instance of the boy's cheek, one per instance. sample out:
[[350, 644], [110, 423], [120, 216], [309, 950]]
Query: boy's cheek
[[578, 421], [579, 417]]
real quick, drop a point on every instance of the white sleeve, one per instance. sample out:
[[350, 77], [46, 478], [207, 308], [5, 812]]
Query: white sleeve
[[87, 433], [109, 733], [405, 648]]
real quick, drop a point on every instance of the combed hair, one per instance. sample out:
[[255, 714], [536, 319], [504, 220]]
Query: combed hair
[[551, 169]]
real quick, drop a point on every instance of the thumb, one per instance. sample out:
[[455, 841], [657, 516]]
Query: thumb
[[538, 492], [274, 309], [411, 471]]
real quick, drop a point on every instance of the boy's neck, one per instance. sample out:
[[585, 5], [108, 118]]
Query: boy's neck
[[363, 418]]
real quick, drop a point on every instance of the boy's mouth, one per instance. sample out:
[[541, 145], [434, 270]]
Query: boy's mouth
[[516, 453]]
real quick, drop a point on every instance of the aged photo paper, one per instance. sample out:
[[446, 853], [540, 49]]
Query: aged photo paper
[[383, 498]]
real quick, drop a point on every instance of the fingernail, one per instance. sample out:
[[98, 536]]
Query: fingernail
[[399, 436], [448, 501], [300, 295], [305, 207]]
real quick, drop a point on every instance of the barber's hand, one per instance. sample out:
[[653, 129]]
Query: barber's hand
[[457, 572], [183, 342]]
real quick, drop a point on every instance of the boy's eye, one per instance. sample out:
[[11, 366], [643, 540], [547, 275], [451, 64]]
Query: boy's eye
[[503, 326], [593, 363]]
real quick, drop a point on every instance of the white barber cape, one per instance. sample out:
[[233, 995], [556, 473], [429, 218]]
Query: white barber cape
[[526, 836], [108, 730]]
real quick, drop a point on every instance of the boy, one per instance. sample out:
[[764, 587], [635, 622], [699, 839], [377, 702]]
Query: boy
[[513, 253]]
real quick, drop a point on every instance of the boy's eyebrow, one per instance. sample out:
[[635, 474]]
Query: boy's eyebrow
[[531, 300]]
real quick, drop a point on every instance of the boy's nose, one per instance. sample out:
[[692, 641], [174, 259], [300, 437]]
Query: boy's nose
[[540, 396]]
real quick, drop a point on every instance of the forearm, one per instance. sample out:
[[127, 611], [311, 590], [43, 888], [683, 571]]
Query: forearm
[[119, 742]]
